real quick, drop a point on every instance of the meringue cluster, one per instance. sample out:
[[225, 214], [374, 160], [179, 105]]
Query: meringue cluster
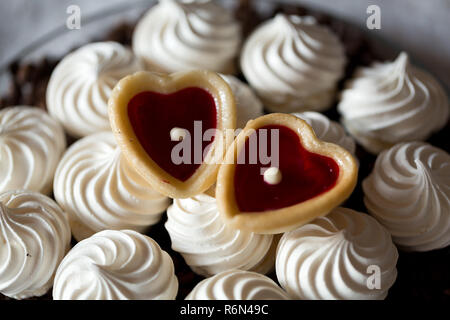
[[292, 64], [116, 265], [392, 102], [409, 193], [331, 258]]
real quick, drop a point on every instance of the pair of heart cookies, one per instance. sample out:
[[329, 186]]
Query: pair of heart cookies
[[178, 132]]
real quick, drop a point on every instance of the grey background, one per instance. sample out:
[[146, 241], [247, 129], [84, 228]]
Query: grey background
[[420, 27]]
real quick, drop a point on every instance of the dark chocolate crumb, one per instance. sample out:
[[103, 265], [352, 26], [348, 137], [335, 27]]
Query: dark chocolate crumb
[[246, 14]]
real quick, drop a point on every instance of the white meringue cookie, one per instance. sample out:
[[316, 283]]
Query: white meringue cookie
[[328, 130], [208, 245], [116, 265], [179, 35], [34, 237], [237, 285], [333, 256], [248, 105], [392, 102], [99, 190], [31, 144], [80, 85], [408, 192], [293, 63]]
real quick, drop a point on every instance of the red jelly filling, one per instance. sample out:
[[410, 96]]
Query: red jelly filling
[[153, 115], [304, 174]]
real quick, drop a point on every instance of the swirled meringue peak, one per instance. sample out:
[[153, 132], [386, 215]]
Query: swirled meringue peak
[[344, 255], [328, 130], [180, 35], [293, 63], [408, 192], [31, 144], [209, 246], [34, 237], [248, 105], [237, 285], [80, 85], [392, 102], [99, 189], [116, 265]]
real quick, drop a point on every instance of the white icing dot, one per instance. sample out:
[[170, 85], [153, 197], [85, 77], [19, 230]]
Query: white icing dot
[[272, 175], [177, 134]]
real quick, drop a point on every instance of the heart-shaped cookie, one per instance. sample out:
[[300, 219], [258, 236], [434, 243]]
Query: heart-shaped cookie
[[163, 125], [309, 178]]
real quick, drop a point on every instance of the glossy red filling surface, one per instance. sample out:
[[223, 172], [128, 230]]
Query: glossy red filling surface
[[153, 115], [304, 174]]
